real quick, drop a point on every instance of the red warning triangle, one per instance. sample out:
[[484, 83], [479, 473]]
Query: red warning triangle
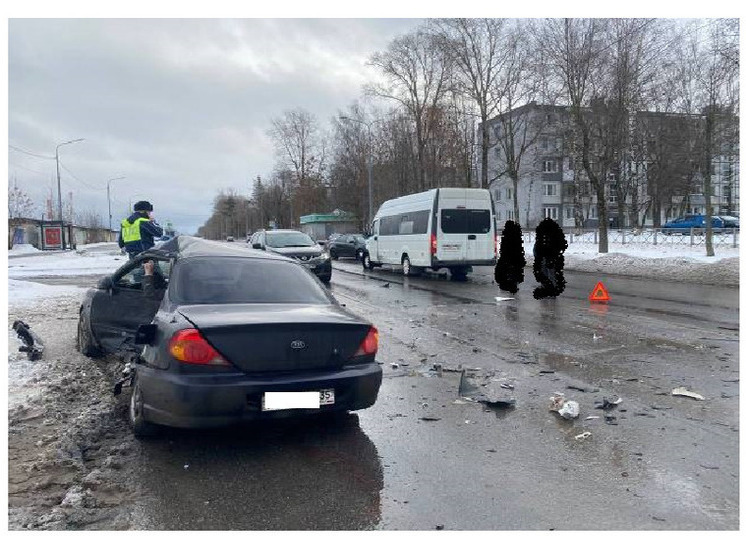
[[599, 293]]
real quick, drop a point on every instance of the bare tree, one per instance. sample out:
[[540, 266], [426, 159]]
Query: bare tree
[[20, 204], [474, 47], [300, 148], [416, 78]]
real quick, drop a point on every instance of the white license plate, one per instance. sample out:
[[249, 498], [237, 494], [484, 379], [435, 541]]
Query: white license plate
[[297, 400], [326, 397]]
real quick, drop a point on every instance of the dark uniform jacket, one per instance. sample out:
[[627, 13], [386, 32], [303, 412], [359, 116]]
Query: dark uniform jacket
[[148, 231]]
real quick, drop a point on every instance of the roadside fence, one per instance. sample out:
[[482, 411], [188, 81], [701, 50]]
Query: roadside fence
[[727, 237]]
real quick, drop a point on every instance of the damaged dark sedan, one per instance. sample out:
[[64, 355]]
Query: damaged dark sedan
[[228, 335]]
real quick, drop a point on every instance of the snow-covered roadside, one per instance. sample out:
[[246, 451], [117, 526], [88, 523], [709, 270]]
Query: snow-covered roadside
[[82, 262], [28, 293], [67, 436], [671, 263]]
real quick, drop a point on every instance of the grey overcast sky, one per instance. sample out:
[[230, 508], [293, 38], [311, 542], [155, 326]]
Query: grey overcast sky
[[178, 107]]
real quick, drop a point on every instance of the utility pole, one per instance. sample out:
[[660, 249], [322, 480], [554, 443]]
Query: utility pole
[[108, 197], [59, 188]]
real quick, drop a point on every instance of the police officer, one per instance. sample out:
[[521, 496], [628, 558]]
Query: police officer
[[139, 230]]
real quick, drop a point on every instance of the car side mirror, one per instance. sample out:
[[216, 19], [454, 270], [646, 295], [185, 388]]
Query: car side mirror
[[145, 334], [105, 283]]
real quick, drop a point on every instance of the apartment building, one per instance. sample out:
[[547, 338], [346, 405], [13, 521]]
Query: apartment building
[[552, 183]]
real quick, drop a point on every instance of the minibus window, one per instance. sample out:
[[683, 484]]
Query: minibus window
[[465, 221]]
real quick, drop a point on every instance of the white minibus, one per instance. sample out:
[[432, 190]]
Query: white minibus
[[451, 228]]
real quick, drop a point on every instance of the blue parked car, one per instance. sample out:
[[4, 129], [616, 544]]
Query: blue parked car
[[730, 222], [684, 224]]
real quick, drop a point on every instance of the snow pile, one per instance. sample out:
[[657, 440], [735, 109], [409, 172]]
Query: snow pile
[[21, 249], [26, 293], [695, 253], [82, 263], [723, 271]]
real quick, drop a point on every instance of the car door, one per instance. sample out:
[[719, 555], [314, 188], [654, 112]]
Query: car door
[[118, 311], [347, 246], [371, 243]]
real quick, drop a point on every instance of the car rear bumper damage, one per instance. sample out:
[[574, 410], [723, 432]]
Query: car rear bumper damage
[[213, 400]]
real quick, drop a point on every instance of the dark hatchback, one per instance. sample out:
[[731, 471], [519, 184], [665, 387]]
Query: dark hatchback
[[297, 245], [352, 246], [229, 335]]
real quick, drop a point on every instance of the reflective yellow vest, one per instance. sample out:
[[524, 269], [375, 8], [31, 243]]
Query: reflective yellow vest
[[131, 231]]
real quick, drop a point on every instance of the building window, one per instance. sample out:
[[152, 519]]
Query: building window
[[497, 195], [544, 142], [594, 214], [550, 166], [550, 189], [550, 212], [499, 215], [509, 215], [570, 164], [558, 144], [569, 212], [508, 194]]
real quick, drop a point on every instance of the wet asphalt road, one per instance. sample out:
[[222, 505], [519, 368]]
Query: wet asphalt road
[[421, 457]]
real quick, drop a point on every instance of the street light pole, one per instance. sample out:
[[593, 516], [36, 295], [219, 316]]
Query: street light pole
[[59, 188], [108, 197]]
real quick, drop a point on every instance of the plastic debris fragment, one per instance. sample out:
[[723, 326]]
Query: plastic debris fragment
[[583, 436], [682, 391], [608, 403]]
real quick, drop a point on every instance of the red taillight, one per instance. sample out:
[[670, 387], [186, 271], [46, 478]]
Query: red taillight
[[370, 343], [188, 346], [433, 244]]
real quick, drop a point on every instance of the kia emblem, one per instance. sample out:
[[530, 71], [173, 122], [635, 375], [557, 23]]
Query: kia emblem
[[297, 344]]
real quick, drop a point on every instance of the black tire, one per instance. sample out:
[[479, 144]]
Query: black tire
[[326, 279], [333, 254], [141, 428], [359, 254], [367, 264], [458, 274], [84, 340], [406, 266]]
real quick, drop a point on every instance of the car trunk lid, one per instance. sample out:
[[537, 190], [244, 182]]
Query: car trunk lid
[[277, 337]]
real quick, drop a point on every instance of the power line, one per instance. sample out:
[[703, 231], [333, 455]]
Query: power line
[[81, 180], [31, 154], [31, 170]]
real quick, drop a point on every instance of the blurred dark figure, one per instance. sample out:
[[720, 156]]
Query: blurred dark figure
[[509, 267], [548, 259]]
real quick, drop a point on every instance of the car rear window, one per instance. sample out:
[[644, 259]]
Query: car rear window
[[465, 221], [231, 280]]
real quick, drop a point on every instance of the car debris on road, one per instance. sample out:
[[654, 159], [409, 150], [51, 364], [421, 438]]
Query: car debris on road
[[608, 403], [683, 391], [568, 409], [486, 390], [33, 346]]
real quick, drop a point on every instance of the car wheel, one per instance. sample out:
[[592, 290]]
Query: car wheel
[[141, 428], [359, 254], [333, 254], [458, 274], [406, 266], [326, 279], [84, 340], [367, 264]]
